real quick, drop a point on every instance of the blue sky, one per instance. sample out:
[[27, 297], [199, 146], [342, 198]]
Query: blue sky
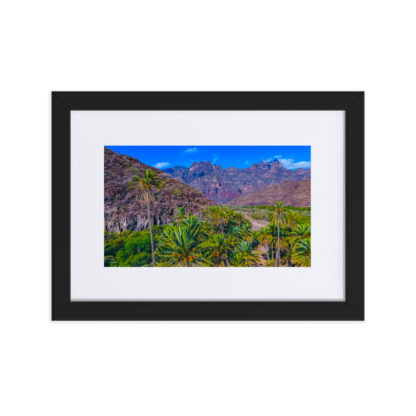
[[163, 157]]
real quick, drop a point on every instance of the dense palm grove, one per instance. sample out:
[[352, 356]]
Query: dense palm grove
[[219, 237]]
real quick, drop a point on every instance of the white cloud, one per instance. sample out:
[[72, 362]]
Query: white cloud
[[247, 162], [277, 156], [191, 150], [215, 157], [291, 164], [161, 165]]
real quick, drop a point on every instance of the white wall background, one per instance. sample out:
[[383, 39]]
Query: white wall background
[[207, 368]]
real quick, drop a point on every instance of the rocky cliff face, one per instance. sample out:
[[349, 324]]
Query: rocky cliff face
[[290, 192], [223, 185], [122, 208]]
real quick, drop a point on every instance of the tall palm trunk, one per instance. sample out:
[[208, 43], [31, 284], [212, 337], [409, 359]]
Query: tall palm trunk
[[277, 263], [289, 262], [267, 252], [151, 232]]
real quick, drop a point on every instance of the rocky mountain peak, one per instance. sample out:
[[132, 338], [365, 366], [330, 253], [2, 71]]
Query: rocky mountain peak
[[223, 185], [123, 210], [296, 193], [201, 165]]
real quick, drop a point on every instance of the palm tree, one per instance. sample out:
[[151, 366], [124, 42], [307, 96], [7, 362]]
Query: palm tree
[[194, 223], [180, 245], [291, 219], [291, 233], [287, 243], [218, 216], [272, 230], [301, 232], [237, 217], [264, 238], [246, 231], [218, 247], [235, 231], [180, 214], [302, 253], [245, 256], [146, 186], [278, 217]]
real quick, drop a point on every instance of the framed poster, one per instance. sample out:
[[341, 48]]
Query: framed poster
[[208, 206]]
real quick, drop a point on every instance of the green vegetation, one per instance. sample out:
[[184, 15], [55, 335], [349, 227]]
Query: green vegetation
[[128, 248], [262, 212], [219, 237], [177, 192]]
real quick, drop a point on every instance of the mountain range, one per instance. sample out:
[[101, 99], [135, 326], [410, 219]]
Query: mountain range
[[122, 208], [201, 185], [225, 185], [293, 193]]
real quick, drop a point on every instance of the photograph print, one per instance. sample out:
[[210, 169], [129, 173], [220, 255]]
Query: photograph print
[[207, 206]]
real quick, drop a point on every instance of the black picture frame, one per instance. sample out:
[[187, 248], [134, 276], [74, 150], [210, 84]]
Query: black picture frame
[[350, 309]]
